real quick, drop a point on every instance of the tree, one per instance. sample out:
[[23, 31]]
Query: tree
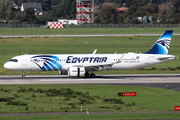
[[6, 10], [152, 8], [55, 2], [108, 14], [141, 12], [47, 16], [118, 2], [52, 15], [131, 10], [46, 5], [30, 16], [60, 13], [166, 14], [121, 18], [70, 8], [19, 17], [96, 19], [73, 9], [2, 10], [99, 1]]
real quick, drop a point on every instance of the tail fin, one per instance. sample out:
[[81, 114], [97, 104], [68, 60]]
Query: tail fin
[[162, 44]]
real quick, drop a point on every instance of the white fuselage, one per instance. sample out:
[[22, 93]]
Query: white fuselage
[[63, 62]]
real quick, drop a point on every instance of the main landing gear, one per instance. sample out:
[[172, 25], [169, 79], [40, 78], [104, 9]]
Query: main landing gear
[[24, 75], [92, 75]]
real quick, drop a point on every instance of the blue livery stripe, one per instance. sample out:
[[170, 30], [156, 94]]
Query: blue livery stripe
[[52, 66], [47, 66], [50, 62]]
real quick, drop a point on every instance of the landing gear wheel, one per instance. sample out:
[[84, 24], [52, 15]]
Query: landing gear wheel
[[87, 75], [92, 75], [23, 76]]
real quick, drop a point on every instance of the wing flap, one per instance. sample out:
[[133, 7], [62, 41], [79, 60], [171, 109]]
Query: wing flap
[[94, 65]]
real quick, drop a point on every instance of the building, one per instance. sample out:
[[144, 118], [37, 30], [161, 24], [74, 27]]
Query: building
[[37, 7], [122, 9], [107, 4], [15, 6], [68, 22], [97, 7]]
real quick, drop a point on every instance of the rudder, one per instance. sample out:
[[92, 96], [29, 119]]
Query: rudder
[[162, 44]]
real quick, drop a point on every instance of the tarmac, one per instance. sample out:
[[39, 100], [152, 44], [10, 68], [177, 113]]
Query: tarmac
[[168, 81]]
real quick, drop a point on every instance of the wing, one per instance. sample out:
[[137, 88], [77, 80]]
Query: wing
[[100, 66], [95, 67]]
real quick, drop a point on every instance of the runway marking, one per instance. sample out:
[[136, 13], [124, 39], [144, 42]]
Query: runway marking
[[86, 80]]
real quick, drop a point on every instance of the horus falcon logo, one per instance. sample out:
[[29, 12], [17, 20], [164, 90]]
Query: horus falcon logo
[[164, 43], [47, 62]]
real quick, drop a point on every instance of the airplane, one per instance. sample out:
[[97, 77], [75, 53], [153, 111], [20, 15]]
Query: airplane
[[83, 65]]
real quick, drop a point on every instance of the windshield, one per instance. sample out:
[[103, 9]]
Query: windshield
[[13, 60]]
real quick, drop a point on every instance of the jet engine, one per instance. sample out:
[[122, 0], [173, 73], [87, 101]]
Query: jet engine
[[76, 71]]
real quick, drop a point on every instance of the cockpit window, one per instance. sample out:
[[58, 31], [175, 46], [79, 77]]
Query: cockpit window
[[13, 60]]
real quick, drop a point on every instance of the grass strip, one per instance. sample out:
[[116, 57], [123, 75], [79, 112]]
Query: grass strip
[[45, 31]]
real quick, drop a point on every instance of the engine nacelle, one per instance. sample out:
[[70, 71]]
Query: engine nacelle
[[76, 71], [63, 72]]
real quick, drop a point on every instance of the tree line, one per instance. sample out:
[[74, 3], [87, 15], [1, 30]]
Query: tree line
[[66, 9], [169, 12]]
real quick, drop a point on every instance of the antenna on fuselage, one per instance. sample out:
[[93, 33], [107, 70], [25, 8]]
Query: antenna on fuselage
[[22, 52]]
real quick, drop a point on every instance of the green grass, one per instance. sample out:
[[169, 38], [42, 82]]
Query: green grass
[[42, 31], [147, 99], [11, 47], [97, 116]]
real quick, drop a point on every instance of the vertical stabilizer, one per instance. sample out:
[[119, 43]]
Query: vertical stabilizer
[[162, 44]]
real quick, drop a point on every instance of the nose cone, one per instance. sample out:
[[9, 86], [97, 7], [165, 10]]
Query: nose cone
[[7, 65]]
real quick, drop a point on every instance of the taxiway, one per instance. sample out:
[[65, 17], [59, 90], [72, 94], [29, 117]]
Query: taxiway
[[84, 35], [169, 81]]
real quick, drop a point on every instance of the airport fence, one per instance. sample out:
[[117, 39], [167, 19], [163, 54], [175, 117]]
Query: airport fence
[[22, 26], [123, 26], [93, 26]]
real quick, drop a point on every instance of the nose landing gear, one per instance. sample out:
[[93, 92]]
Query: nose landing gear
[[24, 75]]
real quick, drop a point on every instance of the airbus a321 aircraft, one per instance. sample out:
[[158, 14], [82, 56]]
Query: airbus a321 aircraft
[[76, 65]]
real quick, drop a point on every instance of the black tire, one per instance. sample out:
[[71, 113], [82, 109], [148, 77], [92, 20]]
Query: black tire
[[87, 75], [23, 76], [92, 75]]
